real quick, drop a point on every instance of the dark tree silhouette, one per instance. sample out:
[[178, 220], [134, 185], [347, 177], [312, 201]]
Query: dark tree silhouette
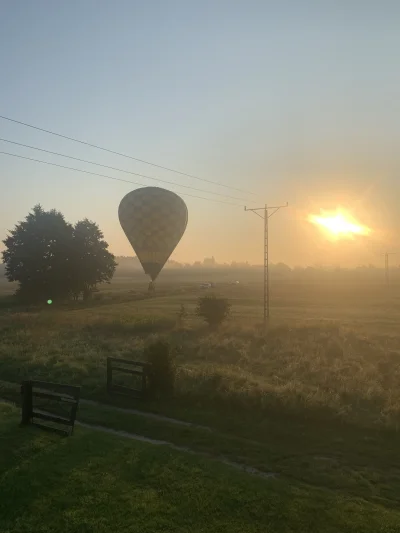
[[51, 259], [92, 262]]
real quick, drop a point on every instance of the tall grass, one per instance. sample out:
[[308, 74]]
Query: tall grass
[[315, 370], [310, 370]]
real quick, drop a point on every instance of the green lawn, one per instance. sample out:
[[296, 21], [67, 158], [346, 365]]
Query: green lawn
[[97, 482], [358, 463], [315, 399]]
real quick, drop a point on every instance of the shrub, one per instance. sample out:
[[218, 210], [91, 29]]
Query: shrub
[[213, 309], [182, 315], [162, 371]]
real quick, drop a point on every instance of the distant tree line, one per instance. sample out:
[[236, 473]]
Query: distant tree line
[[52, 259], [207, 263], [279, 268], [211, 263]]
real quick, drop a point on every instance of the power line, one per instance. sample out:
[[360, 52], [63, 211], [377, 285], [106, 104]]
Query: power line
[[120, 169], [122, 155], [113, 178]]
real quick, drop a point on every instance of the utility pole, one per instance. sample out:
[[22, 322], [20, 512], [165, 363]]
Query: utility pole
[[386, 254], [265, 216]]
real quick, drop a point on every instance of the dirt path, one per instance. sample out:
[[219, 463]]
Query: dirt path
[[141, 438], [161, 418], [146, 414]]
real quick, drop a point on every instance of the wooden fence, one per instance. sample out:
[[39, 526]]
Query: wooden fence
[[133, 368], [59, 396]]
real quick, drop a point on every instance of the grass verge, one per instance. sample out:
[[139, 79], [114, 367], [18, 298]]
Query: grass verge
[[357, 463], [103, 483]]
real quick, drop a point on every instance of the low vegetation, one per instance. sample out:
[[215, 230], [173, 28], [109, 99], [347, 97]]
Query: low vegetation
[[100, 482], [162, 371], [213, 309], [314, 398], [315, 370]]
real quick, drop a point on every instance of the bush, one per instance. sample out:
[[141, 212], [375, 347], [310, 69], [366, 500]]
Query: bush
[[213, 309], [162, 371], [182, 315]]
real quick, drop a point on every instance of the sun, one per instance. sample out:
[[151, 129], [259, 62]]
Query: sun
[[339, 224]]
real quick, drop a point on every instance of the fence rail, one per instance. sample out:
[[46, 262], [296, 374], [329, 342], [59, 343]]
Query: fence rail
[[133, 368], [55, 393]]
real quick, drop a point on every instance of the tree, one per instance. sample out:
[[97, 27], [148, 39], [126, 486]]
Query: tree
[[92, 262], [213, 309], [44, 254], [37, 254]]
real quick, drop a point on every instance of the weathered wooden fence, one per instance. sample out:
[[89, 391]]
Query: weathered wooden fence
[[133, 368], [57, 396]]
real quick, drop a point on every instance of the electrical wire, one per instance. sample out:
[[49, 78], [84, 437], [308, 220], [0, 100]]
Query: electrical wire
[[122, 155], [120, 169], [113, 178]]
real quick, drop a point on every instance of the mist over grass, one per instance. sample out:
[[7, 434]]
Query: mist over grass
[[330, 354]]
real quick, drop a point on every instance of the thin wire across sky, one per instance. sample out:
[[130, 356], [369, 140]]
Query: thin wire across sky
[[160, 180], [111, 177], [123, 155]]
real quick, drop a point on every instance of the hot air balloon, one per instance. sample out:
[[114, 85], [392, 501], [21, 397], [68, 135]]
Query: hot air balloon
[[154, 221]]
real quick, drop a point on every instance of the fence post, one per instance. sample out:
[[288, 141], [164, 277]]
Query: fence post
[[74, 410], [144, 381], [109, 374], [26, 391]]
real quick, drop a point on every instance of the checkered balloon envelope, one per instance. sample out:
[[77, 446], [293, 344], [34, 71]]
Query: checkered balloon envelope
[[154, 221]]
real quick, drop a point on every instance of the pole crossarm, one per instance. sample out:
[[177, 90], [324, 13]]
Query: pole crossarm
[[255, 212], [266, 208]]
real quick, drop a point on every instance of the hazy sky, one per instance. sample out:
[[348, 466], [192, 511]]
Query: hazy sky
[[295, 101]]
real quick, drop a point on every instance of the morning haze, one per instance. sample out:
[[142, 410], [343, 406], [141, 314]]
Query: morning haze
[[195, 369], [292, 102]]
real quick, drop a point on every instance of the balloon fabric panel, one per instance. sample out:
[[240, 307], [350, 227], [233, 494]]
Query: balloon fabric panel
[[154, 221]]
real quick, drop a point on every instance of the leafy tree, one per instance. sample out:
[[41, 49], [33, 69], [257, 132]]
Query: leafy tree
[[44, 254], [92, 262], [213, 309], [37, 255]]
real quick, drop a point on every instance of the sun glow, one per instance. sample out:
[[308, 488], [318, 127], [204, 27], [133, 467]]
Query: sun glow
[[339, 224]]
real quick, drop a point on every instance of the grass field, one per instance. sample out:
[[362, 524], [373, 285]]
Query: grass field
[[315, 399], [331, 350], [97, 482]]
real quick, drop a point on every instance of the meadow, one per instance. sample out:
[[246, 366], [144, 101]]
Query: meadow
[[315, 398], [331, 348]]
